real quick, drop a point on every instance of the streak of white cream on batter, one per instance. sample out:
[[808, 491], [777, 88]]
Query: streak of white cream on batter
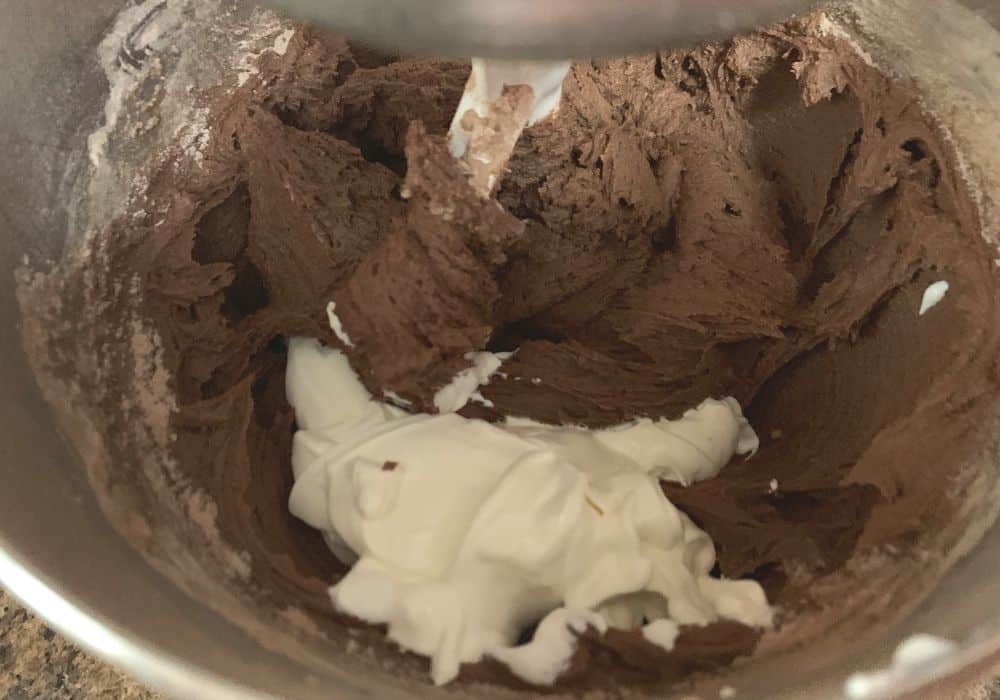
[[464, 387], [337, 326], [933, 296]]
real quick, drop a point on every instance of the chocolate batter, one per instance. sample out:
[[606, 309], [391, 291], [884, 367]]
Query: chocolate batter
[[756, 219]]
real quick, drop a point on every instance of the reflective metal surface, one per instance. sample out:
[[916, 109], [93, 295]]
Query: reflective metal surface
[[60, 556], [539, 28]]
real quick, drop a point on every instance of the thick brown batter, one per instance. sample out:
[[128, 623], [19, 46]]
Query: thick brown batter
[[757, 219]]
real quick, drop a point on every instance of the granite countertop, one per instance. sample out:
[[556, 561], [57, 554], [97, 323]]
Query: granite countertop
[[38, 664]]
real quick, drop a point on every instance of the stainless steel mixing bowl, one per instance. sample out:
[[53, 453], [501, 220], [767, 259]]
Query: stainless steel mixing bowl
[[59, 554]]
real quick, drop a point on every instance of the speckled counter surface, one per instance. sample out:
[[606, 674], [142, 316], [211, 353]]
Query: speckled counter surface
[[38, 664]]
